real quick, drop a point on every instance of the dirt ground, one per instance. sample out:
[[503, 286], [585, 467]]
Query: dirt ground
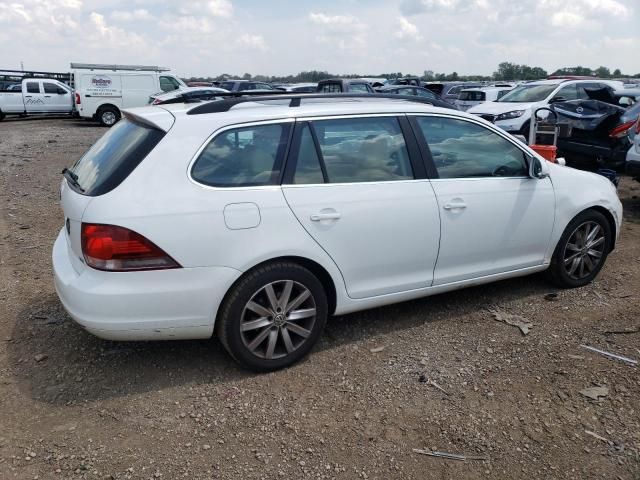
[[449, 376]]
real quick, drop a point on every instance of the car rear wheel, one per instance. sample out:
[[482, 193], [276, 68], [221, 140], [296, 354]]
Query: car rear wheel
[[108, 116], [273, 316], [581, 251]]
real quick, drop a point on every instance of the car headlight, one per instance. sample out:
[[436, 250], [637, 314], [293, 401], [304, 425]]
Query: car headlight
[[510, 115]]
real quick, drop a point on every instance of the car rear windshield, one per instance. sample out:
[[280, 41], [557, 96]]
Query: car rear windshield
[[472, 96], [112, 158], [529, 93]]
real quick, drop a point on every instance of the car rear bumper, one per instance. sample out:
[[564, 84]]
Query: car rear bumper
[[605, 156], [148, 305]]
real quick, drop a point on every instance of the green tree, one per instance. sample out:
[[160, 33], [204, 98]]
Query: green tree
[[603, 72]]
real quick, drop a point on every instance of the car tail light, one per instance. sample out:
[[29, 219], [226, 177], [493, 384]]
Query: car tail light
[[118, 249], [78, 101], [156, 101], [638, 127], [622, 130]]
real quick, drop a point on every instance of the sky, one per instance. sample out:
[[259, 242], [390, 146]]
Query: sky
[[278, 37]]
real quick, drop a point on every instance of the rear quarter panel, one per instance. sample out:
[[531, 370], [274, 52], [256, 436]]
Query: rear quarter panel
[[187, 220]]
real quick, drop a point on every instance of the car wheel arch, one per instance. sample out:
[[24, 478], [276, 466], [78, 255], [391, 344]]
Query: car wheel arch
[[610, 219], [314, 267]]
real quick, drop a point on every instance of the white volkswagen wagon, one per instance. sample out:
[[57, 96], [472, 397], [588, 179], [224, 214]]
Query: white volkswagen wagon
[[258, 218]]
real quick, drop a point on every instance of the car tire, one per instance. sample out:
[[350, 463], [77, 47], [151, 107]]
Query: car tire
[[256, 324], [108, 116], [577, 258], [1, 116]]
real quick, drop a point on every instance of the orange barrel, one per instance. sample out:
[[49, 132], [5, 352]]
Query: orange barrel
[[547, 151]]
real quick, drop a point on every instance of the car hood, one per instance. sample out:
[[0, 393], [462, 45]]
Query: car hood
[[497, 108]]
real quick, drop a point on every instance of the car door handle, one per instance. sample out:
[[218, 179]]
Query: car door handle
[[47, 96], [318, 217], [454, 206]]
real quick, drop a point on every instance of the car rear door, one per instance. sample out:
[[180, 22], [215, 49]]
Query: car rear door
[[494, 217], [358, 187], [34, 97]]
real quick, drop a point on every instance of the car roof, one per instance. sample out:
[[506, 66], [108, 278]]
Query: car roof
[[484, 89], [257, 111], [396, 87]]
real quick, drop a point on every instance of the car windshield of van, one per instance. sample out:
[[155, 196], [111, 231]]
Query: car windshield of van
[[529, 93]]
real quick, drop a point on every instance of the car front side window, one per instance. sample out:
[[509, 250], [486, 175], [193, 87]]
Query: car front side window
[[462, 149], [570, 92]]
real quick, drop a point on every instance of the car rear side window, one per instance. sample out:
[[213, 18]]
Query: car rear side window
[[308, 169], [33, 87], [363, 150], [247, 156], [330, 88], [472, 96], [112, 158], [359, 87], [462, 149]]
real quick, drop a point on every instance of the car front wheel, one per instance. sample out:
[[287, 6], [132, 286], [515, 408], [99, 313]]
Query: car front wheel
[[581, 251], [273, 316]]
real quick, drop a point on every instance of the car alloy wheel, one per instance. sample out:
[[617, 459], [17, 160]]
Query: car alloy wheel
[[109, 118], [278, 319], [584, 251]]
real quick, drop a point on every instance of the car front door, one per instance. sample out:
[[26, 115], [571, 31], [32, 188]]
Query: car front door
[[494, 217], [56, 98], [357, 187]]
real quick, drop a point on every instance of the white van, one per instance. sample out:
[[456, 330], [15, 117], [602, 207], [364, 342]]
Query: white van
[[102, 91]]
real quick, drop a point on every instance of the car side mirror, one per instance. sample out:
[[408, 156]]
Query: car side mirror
[[61, 91], [536, 169]]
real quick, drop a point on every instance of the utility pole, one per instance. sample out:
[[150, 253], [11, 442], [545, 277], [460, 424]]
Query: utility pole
[[21, 65]]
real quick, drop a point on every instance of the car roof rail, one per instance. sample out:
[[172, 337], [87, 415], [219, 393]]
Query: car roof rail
[[295, 100]]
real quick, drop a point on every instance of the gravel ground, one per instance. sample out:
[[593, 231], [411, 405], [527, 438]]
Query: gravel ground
[[437, 374]]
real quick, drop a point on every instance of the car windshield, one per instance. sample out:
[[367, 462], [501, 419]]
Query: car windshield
[[529, 93]]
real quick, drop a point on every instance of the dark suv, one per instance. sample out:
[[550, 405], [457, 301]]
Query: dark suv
[[343, 85], [242, 85]]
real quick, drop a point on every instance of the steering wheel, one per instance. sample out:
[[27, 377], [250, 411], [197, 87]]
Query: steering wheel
[[501, 171]]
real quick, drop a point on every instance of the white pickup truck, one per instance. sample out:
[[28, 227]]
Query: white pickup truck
[[37, 96]]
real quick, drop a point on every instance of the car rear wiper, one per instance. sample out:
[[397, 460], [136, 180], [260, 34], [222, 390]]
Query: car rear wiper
[[72, 178]]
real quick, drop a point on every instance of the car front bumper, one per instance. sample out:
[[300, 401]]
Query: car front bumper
[[147, 305]]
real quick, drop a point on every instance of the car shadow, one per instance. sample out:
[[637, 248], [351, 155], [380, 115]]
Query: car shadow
[[57, 362], [631, 207]]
